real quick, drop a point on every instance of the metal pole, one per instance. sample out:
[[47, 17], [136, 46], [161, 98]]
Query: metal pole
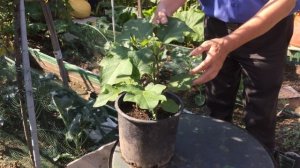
[[18, 63], [28, 87], [113, 18]]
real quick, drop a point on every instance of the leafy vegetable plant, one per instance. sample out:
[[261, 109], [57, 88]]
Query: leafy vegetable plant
[[143, 64]]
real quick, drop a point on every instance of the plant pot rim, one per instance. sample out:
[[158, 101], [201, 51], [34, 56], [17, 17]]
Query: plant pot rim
[[148, 121]]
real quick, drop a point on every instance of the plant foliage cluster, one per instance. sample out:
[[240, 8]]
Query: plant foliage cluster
[[6, 26], [143, 63]]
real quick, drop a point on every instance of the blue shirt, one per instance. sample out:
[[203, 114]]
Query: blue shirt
[[234, 11]]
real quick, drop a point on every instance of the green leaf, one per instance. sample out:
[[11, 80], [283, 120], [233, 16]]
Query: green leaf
[[109, 94], [149, 99], [65, 156], [200, 100], [119, 51], [34, 11], [157, 88], [151, 96], [193, 19], [132, 89], [174, 30], [143, 61], [180, 82], [124, 14], [181, 61], [36, 28], [74, 129], [170, 106], [115, 70], [61, 26], [138, 28], [149, 12], [129, 98]]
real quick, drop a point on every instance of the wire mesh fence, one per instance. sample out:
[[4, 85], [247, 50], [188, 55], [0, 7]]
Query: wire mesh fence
[[59, 143]]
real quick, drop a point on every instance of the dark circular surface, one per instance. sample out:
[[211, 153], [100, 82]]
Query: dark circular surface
[[203, 142]]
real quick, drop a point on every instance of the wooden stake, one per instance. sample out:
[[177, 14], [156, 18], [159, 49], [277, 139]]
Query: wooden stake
[[54, 41]]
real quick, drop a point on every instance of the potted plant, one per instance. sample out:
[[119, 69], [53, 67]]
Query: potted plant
[[138, 74]]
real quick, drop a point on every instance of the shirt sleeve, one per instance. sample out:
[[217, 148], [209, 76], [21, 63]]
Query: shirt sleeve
[[297, 7]]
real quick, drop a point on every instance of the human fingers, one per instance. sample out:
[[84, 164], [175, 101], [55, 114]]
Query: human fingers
[[203, 65], [207, 75], [160, 18], [202, 48]]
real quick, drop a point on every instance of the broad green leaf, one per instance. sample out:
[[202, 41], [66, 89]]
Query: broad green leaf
[[124, 14], [125, 79], [180, 52], [74, 127], [119, 51], [116, 71], [129, 98], [180, 82], [149, 99], [132, 89], [170, 106], [109, 94], [174, 30], [181, 60], [138, 28], [105, 61], [144, 61], [193, 18], [157, 88]]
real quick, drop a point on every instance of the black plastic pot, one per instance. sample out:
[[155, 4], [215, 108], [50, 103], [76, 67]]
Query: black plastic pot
[[147, 143]]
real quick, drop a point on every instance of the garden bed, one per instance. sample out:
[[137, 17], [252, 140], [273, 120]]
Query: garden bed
[[85, 78]]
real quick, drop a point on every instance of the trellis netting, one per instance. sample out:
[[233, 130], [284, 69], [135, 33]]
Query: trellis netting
[[86, 128]]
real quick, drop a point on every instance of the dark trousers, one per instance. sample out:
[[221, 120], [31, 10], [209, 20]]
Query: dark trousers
[[260, 64]]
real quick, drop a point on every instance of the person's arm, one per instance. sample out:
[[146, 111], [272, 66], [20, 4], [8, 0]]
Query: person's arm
[[166, 8], [218, 49]]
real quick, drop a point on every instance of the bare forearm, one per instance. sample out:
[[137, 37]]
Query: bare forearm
[[171, 5], [264, 20]]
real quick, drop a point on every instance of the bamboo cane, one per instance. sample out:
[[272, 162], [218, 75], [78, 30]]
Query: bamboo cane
[[139, 6]]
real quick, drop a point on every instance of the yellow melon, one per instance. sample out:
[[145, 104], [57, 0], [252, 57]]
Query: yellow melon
[[81, 8]]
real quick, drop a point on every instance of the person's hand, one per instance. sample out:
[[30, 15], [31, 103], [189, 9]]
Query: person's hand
[[216, 51], [161, 15]]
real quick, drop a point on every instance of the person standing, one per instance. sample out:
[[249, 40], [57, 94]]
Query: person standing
[[245, 40]]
